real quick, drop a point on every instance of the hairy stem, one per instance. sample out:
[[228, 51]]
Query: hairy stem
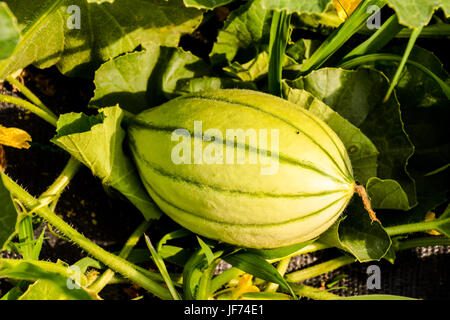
[[61, 182], [118, 264], [108, 275], [313, 293], [30, 95]]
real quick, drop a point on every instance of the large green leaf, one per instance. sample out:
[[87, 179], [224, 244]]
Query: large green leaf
[[106, 30], [97, 141], [387, 194], [8, 216], [358, 97], [54, 289], [425, 109], [298, 6], [243, 29], [363, 154], [52, 281], [416, 13], [9, 32], [358, 235], [140, 80]]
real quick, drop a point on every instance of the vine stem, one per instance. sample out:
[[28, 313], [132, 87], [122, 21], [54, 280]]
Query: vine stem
[[50, 118], [61, 182], [319, 269], [108, 275], [423, 242], [29, 94], [118, 264], [413, 227]]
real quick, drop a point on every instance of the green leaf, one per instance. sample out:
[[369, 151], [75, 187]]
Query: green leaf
[[8, 216], [206, 4], [417, 13], [424, 109], [243, 29], [87, 262], [365, 239], [192, 273], [53, 281], [271, 254], [175, 255], [97, 141], [298, 6], [36, 250], [57, 277], [106, 30], [206, 250], [180, 233], [139, 80], [162, 269], [358, 235], [55, 289], [13, 294], [358, 97], [9, 32], [363, 153], [386, 194], [258, 267]]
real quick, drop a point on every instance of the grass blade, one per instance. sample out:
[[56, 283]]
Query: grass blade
[[258, 267], [279, 36], [162, 268], [412, 40], [378, 40]]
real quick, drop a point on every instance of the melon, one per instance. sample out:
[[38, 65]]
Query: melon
[[242, 167]]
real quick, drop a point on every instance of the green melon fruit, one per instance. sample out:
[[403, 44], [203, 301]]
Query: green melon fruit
[[298, 187]]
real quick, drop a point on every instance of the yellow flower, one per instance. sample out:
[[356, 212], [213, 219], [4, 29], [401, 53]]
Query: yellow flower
[[345, 7], [244, 285], [14, 137]]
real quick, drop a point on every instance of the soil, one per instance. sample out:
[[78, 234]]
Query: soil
[[109, 220]]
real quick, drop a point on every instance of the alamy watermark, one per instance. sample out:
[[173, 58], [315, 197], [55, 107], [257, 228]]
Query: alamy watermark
[[374, 279], [374, 21], [231, 150], [74, 20]]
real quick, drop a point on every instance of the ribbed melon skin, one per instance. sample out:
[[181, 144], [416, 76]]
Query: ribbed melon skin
[[235, 203]]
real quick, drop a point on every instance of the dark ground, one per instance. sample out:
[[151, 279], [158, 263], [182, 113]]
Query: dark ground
[[419, 273]]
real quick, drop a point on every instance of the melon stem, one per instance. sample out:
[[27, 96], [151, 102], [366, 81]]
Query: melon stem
[[361, 191]]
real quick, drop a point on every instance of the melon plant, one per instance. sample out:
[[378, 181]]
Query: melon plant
[[234, 202]]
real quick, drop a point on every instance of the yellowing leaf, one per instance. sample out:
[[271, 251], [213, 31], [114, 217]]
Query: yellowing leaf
[[345, 7], [14, 137], [244, 285]]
